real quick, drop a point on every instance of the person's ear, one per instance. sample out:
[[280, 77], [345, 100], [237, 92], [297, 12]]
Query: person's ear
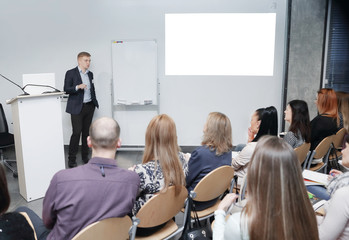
[[118, 144], [89, 142], [258, 123]]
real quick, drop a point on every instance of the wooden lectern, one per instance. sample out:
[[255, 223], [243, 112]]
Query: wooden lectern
[[37, 123]]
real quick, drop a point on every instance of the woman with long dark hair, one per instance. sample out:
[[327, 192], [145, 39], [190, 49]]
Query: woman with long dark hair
[[297, 114], [266, 123]]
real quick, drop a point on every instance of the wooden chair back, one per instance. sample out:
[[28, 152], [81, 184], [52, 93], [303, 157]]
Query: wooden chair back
[[214, 184], [323, 147], [302, 152], [162, 207], [106, 229], [338, 138]]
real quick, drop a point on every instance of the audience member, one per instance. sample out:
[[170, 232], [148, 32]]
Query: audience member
[[255, 124], [341, 97], [4, 194], [13, 225], [321, 191], [297, 115], [335, 223], [161, 165], [86, 194], [344, 108], [253, 129], [214, 152], [277, 204], [327, 122], [265, 121]]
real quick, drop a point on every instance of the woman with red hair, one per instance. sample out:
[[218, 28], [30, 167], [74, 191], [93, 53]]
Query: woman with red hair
[[327, 122]]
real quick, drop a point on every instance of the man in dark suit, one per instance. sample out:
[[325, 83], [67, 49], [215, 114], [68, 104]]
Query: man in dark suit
[[78, 83]]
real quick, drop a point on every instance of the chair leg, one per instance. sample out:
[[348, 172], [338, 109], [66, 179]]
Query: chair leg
[[8, 165], [310, 159], [133, 229]]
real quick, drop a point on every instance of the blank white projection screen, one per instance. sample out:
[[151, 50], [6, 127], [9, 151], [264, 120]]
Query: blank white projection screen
[[220, 44]]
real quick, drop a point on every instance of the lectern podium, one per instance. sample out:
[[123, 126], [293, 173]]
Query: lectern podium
[[37, 123]]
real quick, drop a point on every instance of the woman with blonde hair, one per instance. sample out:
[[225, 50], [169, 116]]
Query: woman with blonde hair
[[214, 152], [277, 204], [344, 108], [161, 165]]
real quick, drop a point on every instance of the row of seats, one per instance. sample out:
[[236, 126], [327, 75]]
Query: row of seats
[[322, 151], [162, 208]]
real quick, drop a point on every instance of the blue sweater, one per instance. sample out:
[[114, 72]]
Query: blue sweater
[[202, 162]]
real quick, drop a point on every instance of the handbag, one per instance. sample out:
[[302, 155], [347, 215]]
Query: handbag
[[333, 163], [195, 232]]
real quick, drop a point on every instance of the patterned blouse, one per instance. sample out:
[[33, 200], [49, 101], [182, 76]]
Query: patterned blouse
[[291, 139], [152, 180]]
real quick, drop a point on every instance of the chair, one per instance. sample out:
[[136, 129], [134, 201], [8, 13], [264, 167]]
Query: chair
[[302, 153], [321, 151], [6, 141], [161, 208], [106, 229], [211, 187], [337, 142]]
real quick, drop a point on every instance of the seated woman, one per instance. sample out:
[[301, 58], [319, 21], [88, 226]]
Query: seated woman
[[343, 108], [297, 115], [161, 166], [275, 209], [13, 225], [327, 122], [321, 191], [341, 98], [335, 223], [266, 123], [252, 130], [214, 152]]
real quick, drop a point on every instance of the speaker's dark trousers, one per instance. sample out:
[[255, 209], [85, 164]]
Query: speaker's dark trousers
[[81, 123]]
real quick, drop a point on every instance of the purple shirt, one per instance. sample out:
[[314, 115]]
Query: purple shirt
[[80, 196]]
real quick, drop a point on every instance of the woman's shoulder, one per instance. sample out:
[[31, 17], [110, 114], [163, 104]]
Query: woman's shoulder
[[344, 191], [250, 146], [338, 182], [290, 134], [201, 151], [238, 224], [146, 166], [321, 117]]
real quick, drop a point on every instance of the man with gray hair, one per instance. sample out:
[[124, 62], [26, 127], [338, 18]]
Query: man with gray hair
[[97, 190]]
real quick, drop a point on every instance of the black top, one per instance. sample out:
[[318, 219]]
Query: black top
[[14, 226], [321, 127]]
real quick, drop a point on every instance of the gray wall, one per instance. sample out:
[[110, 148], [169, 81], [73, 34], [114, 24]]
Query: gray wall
[[44, 36], [306, 50]]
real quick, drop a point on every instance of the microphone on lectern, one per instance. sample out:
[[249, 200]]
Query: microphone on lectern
[[24, 92], [40, 85]]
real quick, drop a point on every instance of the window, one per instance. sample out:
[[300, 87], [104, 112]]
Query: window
[[337, 67]]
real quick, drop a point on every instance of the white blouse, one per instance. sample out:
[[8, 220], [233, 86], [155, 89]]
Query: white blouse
[[234, 228]]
